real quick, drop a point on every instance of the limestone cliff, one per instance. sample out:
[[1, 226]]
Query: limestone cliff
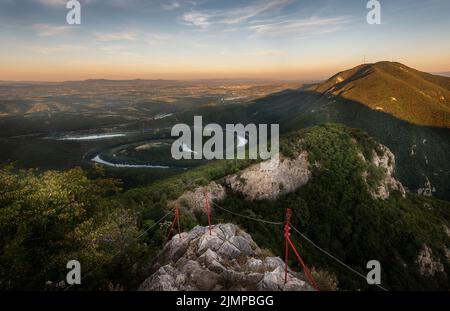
[[269, 179], [385, 160]]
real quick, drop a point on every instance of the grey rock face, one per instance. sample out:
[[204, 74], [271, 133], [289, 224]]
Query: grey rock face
[[272, 178], [228, 259], [428, 265], [194, 200], [386, 162]]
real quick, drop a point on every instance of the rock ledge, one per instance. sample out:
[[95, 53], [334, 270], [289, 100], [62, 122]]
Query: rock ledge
[[228, 259]]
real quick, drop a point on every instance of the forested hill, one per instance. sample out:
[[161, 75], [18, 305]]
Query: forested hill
[[48, 219]]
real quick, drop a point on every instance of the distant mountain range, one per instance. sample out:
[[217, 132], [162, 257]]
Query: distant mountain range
[[447, 73]]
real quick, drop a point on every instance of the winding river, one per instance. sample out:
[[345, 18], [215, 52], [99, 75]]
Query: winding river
[[242, 141], [92, 137], [98, 159]]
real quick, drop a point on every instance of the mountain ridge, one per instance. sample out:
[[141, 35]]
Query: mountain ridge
[[417, 97], [422, 150]]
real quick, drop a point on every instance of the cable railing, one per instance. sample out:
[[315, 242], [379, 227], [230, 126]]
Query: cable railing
[[260, 220]]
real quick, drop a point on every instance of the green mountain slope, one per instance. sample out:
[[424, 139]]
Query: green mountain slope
[[337, 211], [423, 152], [394, 88]]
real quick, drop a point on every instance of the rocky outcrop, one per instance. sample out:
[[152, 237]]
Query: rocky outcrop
[[194, 200], [428, 266], [228, 259], [385, 161], [427, 190], [389, 183], [272, 178]]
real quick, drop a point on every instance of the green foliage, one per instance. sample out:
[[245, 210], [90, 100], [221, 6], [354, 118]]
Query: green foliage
[[160, 192], [336, 210], [47, 220]]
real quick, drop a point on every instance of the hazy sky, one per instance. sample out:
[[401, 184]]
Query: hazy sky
[[282, 39]]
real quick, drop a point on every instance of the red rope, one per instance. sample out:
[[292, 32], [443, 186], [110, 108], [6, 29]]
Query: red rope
[[176, 218], [170, 230], [287, 227], [303, 265], [288, 242], [207, 211]]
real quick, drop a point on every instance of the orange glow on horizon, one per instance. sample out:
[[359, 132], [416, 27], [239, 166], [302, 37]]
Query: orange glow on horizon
[[52, 71]]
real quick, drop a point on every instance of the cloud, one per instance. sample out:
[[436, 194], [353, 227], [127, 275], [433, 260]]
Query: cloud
[[62, 48], [116, 36], [313, 24], [244, 13], [117, 50], [197, 19], [318, 32], [170, 6], [201, 45], [155, 39], [268, 53], [53, 2], [236, 15], [46, 30], [60, 3], [263, 18], [112, 48]]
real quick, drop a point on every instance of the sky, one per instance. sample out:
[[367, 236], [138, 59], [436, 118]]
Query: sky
[[196, 39]]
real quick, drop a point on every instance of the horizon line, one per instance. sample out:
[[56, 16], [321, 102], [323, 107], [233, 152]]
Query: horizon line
[[445, 73]]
